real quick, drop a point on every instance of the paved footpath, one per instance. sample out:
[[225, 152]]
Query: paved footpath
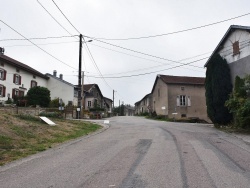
[[136, 152]]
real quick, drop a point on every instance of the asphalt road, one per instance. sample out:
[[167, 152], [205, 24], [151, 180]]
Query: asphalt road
[[136, 152]]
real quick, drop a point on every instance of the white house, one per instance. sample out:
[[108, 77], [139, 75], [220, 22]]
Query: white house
[[17, 78], [59, 88], [235, 48]]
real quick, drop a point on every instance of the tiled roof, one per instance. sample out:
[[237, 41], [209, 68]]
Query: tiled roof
[[182, 80], [88, 86], [20, 65]]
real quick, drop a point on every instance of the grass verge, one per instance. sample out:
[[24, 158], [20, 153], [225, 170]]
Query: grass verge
[[22, 135]]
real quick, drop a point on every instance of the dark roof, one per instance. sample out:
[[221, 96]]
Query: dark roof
[[230, 29], [50, 75], [87, 87], [105, 98], [22, 66], [143, 98], [184, 80]]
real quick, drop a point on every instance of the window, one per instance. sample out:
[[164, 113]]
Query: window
[[2, 91], [17, 79], [236, 48], [2, 74], [2, 64], [183, 100], [15, 93], [34, 76], [182, 88], [89, 103], [17, 70], [33, 83]]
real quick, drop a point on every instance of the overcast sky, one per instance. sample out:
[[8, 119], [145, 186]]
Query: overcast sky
[[117, 19]]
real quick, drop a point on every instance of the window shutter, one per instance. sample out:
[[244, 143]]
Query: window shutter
[[13, 93], [178, 101], [189, 101], [4, 89], [4, 75], [14, 78], [20, 80]]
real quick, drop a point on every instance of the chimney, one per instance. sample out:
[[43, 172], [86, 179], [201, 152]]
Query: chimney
[[61, 76], [54, 73], [1, 51]]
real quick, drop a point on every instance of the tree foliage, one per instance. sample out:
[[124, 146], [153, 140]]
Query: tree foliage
[[38, 96], [218, 87], [239, 103]]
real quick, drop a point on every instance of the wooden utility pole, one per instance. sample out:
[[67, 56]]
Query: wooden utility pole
[[83, 104], [79, 78]]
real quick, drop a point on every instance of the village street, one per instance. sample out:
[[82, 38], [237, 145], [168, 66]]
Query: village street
[[137, 152]]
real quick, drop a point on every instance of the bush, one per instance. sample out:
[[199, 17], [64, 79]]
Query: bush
[[38, 96], [51, 114], [244, 115]]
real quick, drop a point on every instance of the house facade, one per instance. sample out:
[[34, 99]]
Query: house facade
[[129, 110], [144, 105], [179, 97], [17, 78], [62, 89], [93, 96], [235, 48]]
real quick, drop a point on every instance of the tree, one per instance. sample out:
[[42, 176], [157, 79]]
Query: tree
[[38, 96], [218, 87]]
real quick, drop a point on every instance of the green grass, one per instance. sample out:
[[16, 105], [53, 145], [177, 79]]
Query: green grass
[[24, 135]]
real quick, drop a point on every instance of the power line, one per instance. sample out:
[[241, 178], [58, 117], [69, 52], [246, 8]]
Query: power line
[[37, 45], [89, 52], [152, 71], [65, 16], [175, 32], [53, 17], [39, 38], [41, 44], [157, 57]]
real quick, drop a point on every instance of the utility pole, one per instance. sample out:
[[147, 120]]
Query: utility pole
[[79, 78], [119, 108], [113, 101], [83, 105]]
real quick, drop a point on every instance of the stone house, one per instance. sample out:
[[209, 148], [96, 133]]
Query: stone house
[[179, 97], [144, 105], [235, 48]]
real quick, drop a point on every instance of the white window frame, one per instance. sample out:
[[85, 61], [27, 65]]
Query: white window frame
[[89, 103], [1, 74], [183, 100], [1, 91]]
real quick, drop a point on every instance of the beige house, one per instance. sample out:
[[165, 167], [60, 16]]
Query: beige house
[[144, 105], [179, 97], [235, 48]]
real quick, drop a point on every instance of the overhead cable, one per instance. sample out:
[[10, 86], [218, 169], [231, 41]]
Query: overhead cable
[[36, 45], [175, 32]]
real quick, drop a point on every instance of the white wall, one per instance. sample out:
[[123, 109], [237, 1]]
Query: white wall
[[227, 51], [26, 78], [60, 89]]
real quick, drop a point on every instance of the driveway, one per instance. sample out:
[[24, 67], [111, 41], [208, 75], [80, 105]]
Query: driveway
[[137, 152]]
